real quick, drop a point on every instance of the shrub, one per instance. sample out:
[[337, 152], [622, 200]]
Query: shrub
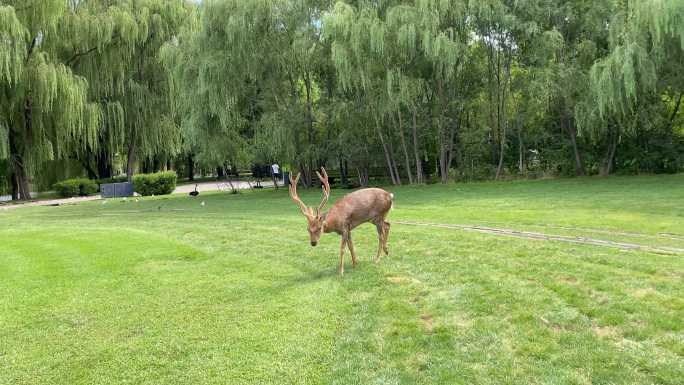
[[160, 183], [76, 187], [114, 179]]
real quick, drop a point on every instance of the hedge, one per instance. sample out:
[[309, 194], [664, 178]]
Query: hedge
[[114, 179], [160, 183], [76, 187]]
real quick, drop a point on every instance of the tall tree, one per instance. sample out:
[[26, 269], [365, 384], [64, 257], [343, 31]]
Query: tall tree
[[646, 41], [126, 76], [44, 109]]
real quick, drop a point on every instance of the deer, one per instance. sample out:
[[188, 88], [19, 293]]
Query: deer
[[368, 205]]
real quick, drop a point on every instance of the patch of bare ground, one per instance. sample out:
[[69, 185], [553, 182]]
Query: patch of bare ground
[[428, 322], [400, 279], [606, 331]]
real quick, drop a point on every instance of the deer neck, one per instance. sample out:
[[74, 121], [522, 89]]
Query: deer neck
[[324, 218]]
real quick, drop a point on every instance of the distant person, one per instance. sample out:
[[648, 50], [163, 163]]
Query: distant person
[[275, 171]]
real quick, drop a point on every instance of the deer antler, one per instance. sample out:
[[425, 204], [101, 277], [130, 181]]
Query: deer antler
[[295, 197], [326, 188]]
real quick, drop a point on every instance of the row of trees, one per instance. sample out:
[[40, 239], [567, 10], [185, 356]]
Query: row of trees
[[413, 90], [82, 80]]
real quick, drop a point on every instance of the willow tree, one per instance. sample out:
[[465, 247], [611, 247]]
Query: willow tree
[[250, 71], [121, 60], [44, 109], [402, 49], [572, 42], [646, 48], [215, 75]]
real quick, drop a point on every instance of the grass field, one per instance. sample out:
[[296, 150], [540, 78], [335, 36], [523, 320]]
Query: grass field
[[167, 291]]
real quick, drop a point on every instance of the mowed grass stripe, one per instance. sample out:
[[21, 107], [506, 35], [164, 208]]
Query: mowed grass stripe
[[178, 297]]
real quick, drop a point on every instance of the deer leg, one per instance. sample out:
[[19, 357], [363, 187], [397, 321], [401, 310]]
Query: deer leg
[[351, 249], [381, 240], [386, 228], [340, 270]]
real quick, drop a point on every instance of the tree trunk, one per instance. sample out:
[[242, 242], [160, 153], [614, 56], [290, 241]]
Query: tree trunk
[[493, 101], [566, 123], [18, 176], [443, 167], [273, 177], [191, 168], [449, 155], [579, 167], [104, 165], [308, 177], [502, 84], [503, 118], [675, 111], [386, 150], [614, 136], [416, 150], [363, 176], [403, 145], [521, 150], [394, 162], [130, 164], [89, 169], [146, 166], [343, 172], [15, 187]]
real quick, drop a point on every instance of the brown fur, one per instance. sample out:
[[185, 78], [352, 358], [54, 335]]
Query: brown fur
[[366, 205]]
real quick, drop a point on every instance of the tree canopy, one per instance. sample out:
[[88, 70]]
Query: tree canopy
[[403, 91]]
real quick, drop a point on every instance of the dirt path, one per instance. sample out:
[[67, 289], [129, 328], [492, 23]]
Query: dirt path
[[221, 185], [182, 189], [50, 202], [549, 237]]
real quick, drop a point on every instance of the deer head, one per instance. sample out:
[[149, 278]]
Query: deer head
[[314, 216]]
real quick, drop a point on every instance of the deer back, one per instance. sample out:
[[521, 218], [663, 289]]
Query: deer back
[[361, 206]]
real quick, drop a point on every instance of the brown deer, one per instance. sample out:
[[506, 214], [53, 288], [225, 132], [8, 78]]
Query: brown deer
[[361, 206]]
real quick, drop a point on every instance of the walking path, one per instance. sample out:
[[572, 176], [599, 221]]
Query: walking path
[[182, 189]]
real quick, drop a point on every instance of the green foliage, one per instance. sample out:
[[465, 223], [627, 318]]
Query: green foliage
[[4, 177], [115, 179], [527, 87], [160, 183], [76, 187]]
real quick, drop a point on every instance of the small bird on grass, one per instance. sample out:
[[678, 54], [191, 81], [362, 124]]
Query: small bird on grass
[[194, 193]]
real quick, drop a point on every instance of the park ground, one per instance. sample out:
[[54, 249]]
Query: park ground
[[225, 289], [50, 198]]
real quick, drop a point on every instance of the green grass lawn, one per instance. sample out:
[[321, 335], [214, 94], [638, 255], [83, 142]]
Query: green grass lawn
[[166, 291]]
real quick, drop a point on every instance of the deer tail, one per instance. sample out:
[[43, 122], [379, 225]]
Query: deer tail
[[392, 201]]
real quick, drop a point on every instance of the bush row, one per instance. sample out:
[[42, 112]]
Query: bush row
[[114, 179], [160, 183], [76, 187]]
